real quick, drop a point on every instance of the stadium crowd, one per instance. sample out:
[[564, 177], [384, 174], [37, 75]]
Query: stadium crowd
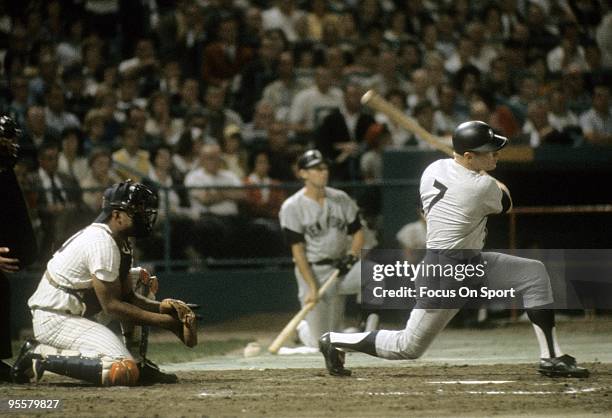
[[195, 96]]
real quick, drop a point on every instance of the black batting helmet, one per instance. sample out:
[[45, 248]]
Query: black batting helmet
[[477, 136], [137, 200], [9, 132], [311, 158]]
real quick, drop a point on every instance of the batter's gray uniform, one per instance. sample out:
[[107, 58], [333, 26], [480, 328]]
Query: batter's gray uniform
[[456, 202], [324, 229], [61, 303]]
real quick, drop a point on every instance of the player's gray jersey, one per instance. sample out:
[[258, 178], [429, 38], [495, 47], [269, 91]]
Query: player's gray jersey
[[456, 202], [91, 251], [324, 228]]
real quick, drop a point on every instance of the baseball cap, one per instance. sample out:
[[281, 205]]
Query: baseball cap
[[311, 158]]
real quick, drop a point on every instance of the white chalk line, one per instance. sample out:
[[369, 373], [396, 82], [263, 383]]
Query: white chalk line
[[472, 382]]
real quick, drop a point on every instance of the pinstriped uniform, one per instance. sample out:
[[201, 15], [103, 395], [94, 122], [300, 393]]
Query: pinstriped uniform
[[57, 314]]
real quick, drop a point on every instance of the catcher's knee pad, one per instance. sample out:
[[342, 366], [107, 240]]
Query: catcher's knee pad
[[122, 372]]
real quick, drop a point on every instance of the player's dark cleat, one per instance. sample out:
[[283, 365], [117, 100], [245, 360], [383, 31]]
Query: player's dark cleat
[[23, 370], [150, 374], [563, 366], [334, 358]]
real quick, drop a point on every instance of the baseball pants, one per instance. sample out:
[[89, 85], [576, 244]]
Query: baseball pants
[[328, 314], [77, 334], [528, 277]]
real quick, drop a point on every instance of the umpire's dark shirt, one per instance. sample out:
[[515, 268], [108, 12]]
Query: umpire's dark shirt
[[15, 233]]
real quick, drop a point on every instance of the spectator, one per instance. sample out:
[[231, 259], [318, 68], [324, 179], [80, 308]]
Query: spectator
[[256, 75], [399, 135], [340, 135], [310, 106], [189, 99], [143, 67], [281, 156], [377, 138], [287, 17], [58, 201], [604, 39], [484, 52], [131, 161], [56, 117], [137, 118], [69, 51], [424, 115], [596, 123], [18, 107], [528, 92], [225, 57], [578, 98], [77, 102], [35, 133], [218, 206], [421, 89], [128, 98], [448, 115], [40, 85], [234, 155], [188, 146], [159, 123], [95, 131], [257, 129], [219, 115], [537, 127], [93, 68], [174, 207], [70, 163], [388, 77], [265, 201], [280, 93], [560, 116], [569, 52], [100, 177], [410, 58]]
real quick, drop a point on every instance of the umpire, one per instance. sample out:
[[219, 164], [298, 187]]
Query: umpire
[[17, 241]]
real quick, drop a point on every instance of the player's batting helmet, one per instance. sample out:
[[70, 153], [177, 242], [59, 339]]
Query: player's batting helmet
[[137, 200], [311, 158], [477, 136], [9, 132]]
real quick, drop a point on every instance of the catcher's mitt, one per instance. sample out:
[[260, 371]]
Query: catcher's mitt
[[188, 332]]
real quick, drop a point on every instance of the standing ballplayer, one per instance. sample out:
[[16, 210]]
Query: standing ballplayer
[[457, 196], [317, 222], [89, 274]]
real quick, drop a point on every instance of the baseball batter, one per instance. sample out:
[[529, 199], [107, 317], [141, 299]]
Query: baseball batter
[[317, 221], [458, 196], [89, 274]]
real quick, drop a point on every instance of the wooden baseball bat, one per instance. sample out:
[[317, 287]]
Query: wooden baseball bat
[[378, 103], [292, 325]]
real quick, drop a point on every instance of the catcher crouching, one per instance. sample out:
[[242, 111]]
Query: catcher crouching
[[90, 280]]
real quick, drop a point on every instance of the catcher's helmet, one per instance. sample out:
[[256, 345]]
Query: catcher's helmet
[[137, 200], [477, 136], [311, 158], [9, 132]]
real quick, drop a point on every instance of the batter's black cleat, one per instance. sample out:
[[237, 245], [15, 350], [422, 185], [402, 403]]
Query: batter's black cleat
[[563, 366], [334, 358], [150, 374], [23, 369]]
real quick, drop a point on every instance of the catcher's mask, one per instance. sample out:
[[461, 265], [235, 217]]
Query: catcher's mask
[[135, 199]]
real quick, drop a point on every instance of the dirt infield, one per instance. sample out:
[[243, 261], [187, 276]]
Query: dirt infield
[[428, 390], [465, 373]]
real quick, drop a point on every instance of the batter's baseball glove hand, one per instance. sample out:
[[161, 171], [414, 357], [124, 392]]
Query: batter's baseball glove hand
[[346, 263], [187, 329]]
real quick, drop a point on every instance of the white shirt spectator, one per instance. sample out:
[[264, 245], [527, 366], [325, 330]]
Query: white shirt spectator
[[562, 121], [273, 18], [554, 60], [199, 178], [310, 106]]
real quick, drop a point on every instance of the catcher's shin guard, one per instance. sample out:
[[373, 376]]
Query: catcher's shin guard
[[97, 371]]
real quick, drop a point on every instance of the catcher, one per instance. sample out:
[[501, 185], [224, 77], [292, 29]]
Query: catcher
[[90, 275]]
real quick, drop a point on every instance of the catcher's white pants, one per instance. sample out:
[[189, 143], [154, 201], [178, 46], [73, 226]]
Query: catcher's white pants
[[528, 277], [78, 334], [328, 314]]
